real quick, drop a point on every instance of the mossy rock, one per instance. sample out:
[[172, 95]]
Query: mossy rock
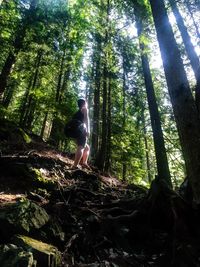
[[23, 177], [41, 181], [11, 133], [21, 217], [46, 255], [52, 232], [13, 256]]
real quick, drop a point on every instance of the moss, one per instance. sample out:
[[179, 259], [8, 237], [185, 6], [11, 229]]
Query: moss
[[45, 254], [41, 181], [21, 176], [11, 255], [42, 192], [26, 137], [11, 132], [22, 217]]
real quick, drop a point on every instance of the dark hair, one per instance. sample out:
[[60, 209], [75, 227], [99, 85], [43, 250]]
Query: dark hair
[[81, 102]]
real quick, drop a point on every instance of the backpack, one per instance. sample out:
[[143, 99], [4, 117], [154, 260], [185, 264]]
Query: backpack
[[74, 128]]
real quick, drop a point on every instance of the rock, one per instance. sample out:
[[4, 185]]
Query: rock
[[46, 255], [13, 256], [18, 174], [10, 132], [40, 180], [21, 217], [53, 232]]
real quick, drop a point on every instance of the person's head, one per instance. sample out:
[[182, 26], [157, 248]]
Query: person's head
[[81, 103]]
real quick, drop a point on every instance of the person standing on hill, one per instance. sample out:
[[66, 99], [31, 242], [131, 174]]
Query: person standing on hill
[[83, 132]]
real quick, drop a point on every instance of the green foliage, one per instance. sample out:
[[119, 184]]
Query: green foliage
[[62, 44]]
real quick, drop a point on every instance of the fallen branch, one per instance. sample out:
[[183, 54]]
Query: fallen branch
[[70, 242]]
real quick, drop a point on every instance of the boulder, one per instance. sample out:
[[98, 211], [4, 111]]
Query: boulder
[[45, 255], [53, 232], [11, 255], [10, 132], [18, 174], [21, 217]]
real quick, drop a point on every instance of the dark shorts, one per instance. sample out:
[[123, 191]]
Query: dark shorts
[[81, 140], [81, 137]]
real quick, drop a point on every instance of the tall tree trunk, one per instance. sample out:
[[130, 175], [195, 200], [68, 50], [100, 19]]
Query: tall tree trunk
[[159, 144], [30, 112], [60, 77], [24, 101], [28, 104], [103, 148], [192, 16], [148, 166], [8, 94], [194, 60], [124, 95], [17, 45], [185, 110], [124, 171], [123, 157], [96, 107], [44, 125], [5, 72], [62, 85], [108, 150]]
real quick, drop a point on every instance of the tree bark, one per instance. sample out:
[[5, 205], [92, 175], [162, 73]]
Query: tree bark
[[124, 171], [194, 60], [28, 106], [159, 144], [108, 150], [124, 95], [61, 89], [148, 166], [192, 16], [60, 77], [8, 94], [103, 148], [104, 133], [64, 86], [185, 110], [7, 68], [123, 156], [96, 107], [17, 45], [24, 102]]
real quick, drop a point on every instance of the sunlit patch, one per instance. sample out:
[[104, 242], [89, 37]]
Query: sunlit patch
[[71, 3], [10, 198], [110, 181], [172, 19]]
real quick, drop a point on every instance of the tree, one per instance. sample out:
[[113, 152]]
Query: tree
[[96, 107], [105, 76], [194, 60], [188, 5], [160, 151], [28, 103], [181, 97], [27, 19]]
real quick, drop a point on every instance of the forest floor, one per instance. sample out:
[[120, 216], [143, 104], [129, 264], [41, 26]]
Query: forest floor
[[90, 219]]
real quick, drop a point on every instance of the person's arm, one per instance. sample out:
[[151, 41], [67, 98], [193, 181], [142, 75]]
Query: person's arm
[[86, 120]]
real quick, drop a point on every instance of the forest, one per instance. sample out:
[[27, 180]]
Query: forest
[[136, 62]]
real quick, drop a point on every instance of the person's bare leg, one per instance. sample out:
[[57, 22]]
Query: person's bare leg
[[86, 153], [78, 156]]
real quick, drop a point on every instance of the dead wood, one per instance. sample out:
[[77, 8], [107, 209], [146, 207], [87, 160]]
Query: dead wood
[[105, 222], [124, 218]]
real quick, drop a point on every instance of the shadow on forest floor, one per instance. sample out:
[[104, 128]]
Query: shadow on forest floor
[[89, 219]]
